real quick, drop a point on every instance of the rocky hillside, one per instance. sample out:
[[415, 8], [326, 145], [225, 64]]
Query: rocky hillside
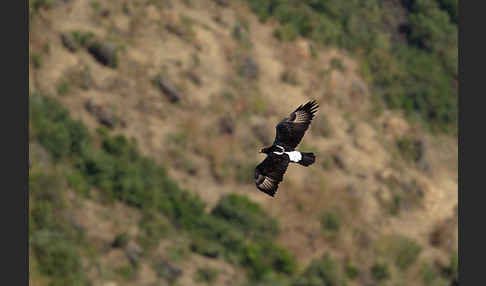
[[146, 121]]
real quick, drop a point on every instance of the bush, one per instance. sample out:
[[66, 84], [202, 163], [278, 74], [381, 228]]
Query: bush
[[78, 182], [432, 277], [121, 240], [58, 258], [46, 200], [56, 132], [380, 272], [407, 253], [409, 149], [330, 223], [247, 216], [452, 270], [82, 38], [153, 227], [325, 272], [417, 76], [241, 231], [63, 88], [206, 275], [351, 271]]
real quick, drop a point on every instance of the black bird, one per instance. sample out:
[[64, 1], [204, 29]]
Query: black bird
[[269, 173]]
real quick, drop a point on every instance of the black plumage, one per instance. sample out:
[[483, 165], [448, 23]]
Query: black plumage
[[289, 133]]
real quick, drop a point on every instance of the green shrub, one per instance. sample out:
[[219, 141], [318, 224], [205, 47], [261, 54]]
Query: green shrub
[[46, 196], [409, 149], [451, 7], [325, 271], [407, 253], [36, 60], [127, 272], [153, 227], [432, 277], [380, 272], [78, 182], [247, 216], [206, 275], [58, 258], [330, 223], [121, 240], [337, 64], [452, 270], [351, 271], [206, 247], [282, 260], [63, 88], [82, 38], [35, 5], [56, 132]]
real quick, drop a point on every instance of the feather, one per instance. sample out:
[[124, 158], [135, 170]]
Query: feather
[[291, 130]]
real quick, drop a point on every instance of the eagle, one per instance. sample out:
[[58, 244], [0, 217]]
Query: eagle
[[289, 132]]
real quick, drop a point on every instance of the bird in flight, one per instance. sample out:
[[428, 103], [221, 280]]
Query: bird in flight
[[269, 173]]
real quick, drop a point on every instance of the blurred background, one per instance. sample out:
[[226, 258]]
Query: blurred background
[[146, 118]]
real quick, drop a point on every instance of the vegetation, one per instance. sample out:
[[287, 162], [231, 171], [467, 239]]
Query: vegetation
[[325, 271], [380, 271], [407, 252], [63, 88], [415, 70], [236, 229], [54, 242], [330, 223], [82, 38], [207, 275]]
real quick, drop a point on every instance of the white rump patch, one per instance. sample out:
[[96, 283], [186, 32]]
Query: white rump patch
[[295, 156]]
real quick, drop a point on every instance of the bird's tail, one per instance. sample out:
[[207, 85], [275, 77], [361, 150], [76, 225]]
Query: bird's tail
[[308, 159]]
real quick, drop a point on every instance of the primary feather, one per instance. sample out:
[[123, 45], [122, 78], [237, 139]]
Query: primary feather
[[291, 129]]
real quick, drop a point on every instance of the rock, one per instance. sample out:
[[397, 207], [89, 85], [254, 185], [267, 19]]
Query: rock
[[249, 68], [133, 253], [105, 53], [170, 272], [222, 3], [105, 13], [102, 114], [74, 221], [169, 90], [194, 77], [227, 124], [422, 160], [338, 160], [86, 79], [173, 25], [69, 43]]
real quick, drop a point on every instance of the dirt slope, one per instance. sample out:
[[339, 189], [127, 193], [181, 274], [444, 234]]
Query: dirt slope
[[358, 170]]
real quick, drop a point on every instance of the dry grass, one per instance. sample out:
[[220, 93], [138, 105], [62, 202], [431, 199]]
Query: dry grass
[[344, 126]]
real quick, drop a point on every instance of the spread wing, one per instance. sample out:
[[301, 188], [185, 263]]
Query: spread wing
[[269, 173], [291, 129]]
